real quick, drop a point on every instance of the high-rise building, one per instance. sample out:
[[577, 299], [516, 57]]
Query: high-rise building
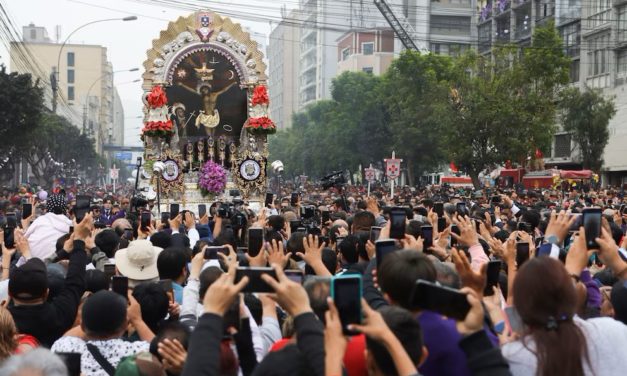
[[283, 55], [594, 37], [85, 80]]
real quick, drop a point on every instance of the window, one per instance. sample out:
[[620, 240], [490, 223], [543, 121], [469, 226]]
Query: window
[[562, 145], [598, 55], [33, 34], [450, 25], [485, 36], [367, 48], [367, 70], [345, 53], [601, 11], [621, 62], [451, 49], [622, 24], [70, 93], [70, 76], [571, 35], [70, 59], [574, 71]]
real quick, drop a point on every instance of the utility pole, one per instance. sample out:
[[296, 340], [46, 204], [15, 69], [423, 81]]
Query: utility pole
[[55, 88]]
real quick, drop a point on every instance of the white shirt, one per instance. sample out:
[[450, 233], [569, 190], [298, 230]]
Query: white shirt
[[113, 350], [606, 340], [43, 234]]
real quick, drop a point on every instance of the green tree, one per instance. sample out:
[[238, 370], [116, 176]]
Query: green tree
[[503, 106], [586, 115], [336, 134], [59, 141], [20, 110], [414, 92]]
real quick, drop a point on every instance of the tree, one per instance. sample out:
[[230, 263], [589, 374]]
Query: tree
[[336, 134], [586, 116], [414, 92], [20, 110], [58, 142], [503, 107]]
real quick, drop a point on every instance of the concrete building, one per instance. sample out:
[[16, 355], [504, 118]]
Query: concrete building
[[117, 130], [370, 51], [441, 26], [283, 79], [595, 38], [85, 80]]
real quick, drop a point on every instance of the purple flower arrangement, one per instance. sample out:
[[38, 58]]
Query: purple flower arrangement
[[212, 178], [485, 12], [502, 5]]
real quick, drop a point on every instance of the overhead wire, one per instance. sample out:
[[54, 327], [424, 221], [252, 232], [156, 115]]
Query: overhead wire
[[25, 58]]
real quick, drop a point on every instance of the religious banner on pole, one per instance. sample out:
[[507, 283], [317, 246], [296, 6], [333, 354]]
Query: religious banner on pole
[[370, 174], [393, 170]]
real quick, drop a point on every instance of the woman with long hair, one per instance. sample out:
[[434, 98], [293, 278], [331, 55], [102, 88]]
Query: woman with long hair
[[8, 334], [555, 340]]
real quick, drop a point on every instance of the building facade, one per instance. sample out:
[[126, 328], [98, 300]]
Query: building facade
[[283, 78], [85, 81], [369, 51], [594, 34]]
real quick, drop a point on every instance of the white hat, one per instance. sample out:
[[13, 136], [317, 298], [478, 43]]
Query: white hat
[[138, 261]]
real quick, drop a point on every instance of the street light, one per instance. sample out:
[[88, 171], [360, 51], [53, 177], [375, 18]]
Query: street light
[[55, 87]]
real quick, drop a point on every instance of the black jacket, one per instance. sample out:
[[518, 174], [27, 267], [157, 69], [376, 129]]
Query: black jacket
[[203, 357], [49, 321], [306, 357], [483, 358]]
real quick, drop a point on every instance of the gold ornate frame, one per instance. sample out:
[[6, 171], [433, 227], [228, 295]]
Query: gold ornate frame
[[175, 185], [248, 187], [220, 34], [180, 35]]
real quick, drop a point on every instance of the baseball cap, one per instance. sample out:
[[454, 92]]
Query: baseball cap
[[138, 261], [29, 281]]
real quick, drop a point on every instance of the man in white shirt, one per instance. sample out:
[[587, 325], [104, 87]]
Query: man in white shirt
[[104, 321]]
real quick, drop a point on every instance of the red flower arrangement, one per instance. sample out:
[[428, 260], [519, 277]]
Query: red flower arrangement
[[157, 98], [158, 125], [260, 96], [158, 128], [260, 125]]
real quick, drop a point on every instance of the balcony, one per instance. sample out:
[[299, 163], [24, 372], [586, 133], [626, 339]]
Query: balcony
[[502, 6], [519, 3], [485, 13]]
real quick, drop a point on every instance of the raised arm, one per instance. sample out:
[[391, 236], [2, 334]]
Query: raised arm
[[226, 88]]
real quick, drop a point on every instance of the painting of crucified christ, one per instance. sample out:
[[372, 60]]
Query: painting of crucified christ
[[206, 97]]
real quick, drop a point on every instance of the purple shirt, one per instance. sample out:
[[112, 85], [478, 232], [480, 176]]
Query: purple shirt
[[442, 341]]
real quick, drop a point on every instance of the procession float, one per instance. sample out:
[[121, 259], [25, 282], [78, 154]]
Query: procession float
[[206, 117]]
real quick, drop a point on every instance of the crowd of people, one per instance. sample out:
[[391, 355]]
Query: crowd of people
[[490, 282]]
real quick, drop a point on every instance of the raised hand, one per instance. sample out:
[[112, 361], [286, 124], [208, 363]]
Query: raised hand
[[467, 233], [276, 255], [559, 224], [173, 355], [469, 278], [288, 294], [222, 292]]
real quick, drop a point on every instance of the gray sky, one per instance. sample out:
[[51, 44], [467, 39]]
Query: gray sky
[[127, 42]]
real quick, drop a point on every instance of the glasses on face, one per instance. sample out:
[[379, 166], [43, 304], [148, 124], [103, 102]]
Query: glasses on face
[[125, 203]]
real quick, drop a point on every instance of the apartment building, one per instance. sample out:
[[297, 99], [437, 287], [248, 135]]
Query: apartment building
[[283, 79], [86, 92]]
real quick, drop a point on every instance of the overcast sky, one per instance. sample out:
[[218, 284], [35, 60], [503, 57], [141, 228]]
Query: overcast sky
[[127, 42]]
